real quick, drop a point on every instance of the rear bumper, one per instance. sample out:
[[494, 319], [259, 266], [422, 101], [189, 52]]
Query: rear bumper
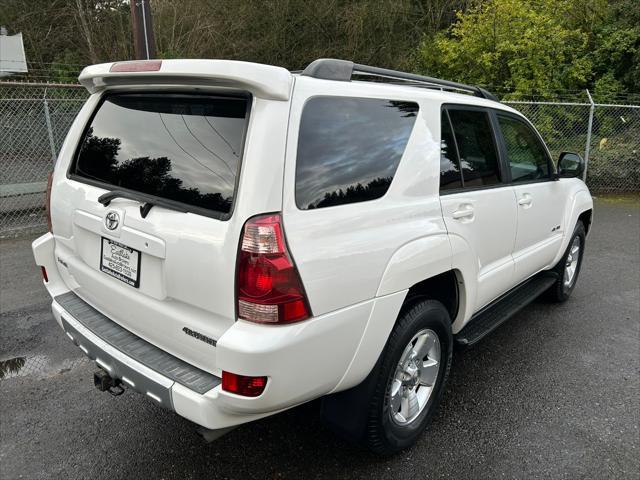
[[132, 373], [83, 322], [302, 361], [200, 407]]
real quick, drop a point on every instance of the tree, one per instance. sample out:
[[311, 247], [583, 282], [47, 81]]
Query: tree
[[519, 46], [290, 33], [61, 36], [616, 51], [511, 45]]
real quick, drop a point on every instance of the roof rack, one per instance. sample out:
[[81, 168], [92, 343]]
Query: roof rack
[[343, 70]]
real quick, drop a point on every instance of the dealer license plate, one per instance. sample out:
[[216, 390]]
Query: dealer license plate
[[120, 262]]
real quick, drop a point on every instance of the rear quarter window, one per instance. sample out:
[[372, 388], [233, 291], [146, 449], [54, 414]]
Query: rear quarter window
[[349, 149], [179, 147]]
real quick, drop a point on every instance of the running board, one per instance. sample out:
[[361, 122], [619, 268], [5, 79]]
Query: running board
[[505, 307]]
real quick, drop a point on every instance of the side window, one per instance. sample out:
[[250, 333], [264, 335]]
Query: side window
[[450, 176], [528, 158], [476, 146], [349, 149]]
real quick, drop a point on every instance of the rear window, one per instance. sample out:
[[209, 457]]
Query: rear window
[[349, 149], [185, 148]]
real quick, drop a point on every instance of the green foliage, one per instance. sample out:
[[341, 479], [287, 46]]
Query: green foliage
[[518, 47], [616, 57], [615, 166], [607, 88], [524, 48]]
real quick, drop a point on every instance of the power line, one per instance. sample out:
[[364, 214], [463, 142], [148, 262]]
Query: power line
[[205, 147], [221, 136], [187, 153]]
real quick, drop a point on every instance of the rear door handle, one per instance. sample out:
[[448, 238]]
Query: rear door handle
[[465, 211], [525, 200]]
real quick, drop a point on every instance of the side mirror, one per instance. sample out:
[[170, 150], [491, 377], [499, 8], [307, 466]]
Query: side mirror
[[570, 165]]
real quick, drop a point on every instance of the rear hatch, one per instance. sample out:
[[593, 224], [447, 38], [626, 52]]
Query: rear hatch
[[147, 212]]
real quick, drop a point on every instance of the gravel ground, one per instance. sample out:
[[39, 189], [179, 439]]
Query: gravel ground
[[553, 393]]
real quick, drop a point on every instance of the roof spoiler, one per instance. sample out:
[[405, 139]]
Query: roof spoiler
[[264, 81], [343, 70]]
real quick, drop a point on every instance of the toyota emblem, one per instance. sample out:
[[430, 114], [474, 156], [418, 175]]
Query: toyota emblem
[[111, 220]]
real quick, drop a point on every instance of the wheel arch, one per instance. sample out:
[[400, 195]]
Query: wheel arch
[[420, 269], [343, 408], [586, 217], [446, 287], [433, 261], [579, 207]]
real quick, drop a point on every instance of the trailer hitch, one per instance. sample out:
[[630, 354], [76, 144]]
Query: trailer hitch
[[103, 382]]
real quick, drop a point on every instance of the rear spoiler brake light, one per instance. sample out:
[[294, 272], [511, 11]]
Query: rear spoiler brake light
[[137, 66]]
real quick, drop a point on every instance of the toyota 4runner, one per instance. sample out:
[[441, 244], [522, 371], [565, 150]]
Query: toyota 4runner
[[232, 239]]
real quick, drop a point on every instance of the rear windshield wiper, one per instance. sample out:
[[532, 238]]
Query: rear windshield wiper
[[148, 201]]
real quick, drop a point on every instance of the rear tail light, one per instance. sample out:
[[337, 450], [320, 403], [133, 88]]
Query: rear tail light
[[47, 202], [243, 385], [269, 288]]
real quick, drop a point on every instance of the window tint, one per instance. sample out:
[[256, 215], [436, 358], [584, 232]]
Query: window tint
[[450, 176], [184, 148], [349, 149], [527, 157], [478, 156]]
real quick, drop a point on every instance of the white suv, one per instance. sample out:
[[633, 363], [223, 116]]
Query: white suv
[[233, 239]]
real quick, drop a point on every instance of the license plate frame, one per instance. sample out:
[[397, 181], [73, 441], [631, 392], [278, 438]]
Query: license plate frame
[[123, 258]]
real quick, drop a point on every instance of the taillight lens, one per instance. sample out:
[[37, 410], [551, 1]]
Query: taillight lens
[[243, 385], [269, 286], [47, 202]]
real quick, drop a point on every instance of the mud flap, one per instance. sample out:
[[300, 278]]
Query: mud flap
[[346, 412]]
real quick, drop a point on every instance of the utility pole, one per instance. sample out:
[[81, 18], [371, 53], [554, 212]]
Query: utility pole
[[143, 39]]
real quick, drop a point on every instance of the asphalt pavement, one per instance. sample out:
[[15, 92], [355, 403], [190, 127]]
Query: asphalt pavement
[[553, 393]]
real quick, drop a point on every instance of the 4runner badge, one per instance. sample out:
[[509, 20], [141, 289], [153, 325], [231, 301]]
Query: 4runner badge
[[199, 336], [111, 220]]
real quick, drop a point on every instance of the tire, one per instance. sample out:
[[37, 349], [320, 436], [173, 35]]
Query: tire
[[561, 290], [385, 433]]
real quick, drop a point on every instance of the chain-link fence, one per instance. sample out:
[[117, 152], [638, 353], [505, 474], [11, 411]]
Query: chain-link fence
[[34, 119], [607, 135]]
